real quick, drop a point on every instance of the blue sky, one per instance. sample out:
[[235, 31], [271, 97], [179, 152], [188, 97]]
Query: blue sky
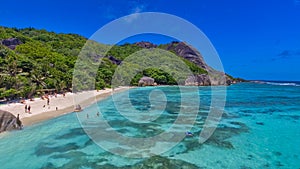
[[255, 39]]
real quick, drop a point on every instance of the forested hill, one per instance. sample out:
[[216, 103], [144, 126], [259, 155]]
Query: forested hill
[[32, 60]]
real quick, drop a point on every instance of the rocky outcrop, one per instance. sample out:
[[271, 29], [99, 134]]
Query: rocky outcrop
[[208, 80], [147, 45], [11, 43], [188, 52], [212, 78], [114, 60], [9, 122], [146, 81], [198, 80], [77, 108]]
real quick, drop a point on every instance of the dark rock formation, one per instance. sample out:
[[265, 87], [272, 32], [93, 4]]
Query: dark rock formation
[[9, 122], [208, 80], [77, 108], [11, 43], [193, 55], [147, 45], [198, 80], [188, 52], [146, 81], [182, 49], [114, 60], [260, 123]]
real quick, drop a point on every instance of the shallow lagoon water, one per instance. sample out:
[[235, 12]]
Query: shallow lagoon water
[[259, 129]]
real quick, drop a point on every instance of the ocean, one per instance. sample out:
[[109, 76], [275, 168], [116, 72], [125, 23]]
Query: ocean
[[283, 83], [258, 128]]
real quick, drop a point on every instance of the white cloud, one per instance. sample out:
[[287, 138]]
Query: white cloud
[[135, 13], [138, 9], [112, 10]]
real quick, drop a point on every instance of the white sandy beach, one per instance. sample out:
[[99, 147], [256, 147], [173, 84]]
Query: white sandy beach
[[40, 111]]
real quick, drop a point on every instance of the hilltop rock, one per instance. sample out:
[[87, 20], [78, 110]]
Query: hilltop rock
[[146, 81], [193, 55], [11, 43], [147, 45], [181, 49], [9, 122], [188, 52]]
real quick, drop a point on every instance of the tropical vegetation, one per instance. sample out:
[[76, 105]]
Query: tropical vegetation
[[46, 60]]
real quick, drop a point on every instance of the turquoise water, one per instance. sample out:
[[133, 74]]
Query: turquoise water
[[259, 129]]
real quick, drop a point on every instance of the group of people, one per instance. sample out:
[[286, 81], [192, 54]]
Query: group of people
[[27, 109]]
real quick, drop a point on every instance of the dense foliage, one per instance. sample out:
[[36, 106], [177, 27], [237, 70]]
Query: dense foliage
[[46, 60]]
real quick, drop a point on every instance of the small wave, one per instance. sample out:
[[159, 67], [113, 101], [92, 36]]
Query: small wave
[[283, 84]]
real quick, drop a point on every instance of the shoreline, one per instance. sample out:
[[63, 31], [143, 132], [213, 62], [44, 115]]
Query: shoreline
[[40, 111]]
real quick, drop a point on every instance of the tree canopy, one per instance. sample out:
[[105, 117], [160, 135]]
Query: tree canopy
[[46, 60]]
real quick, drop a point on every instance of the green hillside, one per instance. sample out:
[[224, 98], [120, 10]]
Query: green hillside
[[45, 60]]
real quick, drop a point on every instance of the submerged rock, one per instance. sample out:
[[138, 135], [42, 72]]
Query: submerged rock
[[160, 162], [260, 123], [9, 122], [43, 149]]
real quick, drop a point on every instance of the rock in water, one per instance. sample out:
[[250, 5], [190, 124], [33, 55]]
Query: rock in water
[[9, 122]]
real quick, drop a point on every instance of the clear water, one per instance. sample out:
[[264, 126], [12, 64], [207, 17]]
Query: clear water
[[259, 129]]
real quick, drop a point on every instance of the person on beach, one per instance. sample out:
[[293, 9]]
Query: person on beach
[[97, 114], [26, 108], [56, 108], [19, 122], [48, 101], [29, 109]]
